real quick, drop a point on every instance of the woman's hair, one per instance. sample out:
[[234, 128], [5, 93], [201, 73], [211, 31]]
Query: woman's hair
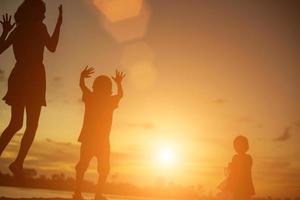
[[30, 11], [102, 85], [241, 144]]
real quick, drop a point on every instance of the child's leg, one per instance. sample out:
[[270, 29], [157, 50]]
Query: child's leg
[[81, 167], [241, 197], [103, 166]]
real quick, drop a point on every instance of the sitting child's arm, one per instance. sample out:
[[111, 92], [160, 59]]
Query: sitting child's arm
[[7, 27], [118, 79], [86, 73], [52, 41]]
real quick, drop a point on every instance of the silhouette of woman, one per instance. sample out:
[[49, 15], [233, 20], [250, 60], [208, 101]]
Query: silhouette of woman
[[27, 81]]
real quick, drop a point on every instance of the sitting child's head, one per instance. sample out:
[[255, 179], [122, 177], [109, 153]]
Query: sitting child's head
[[30, 11], [240, 144], [102, 86]]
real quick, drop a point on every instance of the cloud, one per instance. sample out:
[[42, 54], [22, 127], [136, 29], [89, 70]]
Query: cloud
[[58, 143], [5, 161], [57, 79], [45, 154], [279, 176], [50, 156], [212, 141], [122, 156], [286, 135], [260, 125], [244, 120], [276, 169], [142, 125], [219, 101], [57, 82], [276, 164]]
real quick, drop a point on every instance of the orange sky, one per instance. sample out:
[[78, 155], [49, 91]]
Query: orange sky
[[199, 73]]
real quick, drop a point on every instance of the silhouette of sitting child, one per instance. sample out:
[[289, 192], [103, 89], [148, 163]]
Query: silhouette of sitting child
[[239, 181], [94, 136], [224, 194]]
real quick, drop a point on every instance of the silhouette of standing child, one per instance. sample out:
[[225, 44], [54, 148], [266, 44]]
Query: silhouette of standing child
[[94, 137], [27, 81], [239, 181]]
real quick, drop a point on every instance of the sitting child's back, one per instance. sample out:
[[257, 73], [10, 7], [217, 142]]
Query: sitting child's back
[[240, 176], [239, 181]]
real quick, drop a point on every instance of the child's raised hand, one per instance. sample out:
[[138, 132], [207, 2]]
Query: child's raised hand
[[118, 77], [6, 23], [86, 73]]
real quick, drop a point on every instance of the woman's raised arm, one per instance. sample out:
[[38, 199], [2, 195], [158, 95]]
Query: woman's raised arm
[[52, 41], [7, 27]]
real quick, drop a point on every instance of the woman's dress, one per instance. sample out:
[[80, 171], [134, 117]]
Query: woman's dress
[[27, 81]]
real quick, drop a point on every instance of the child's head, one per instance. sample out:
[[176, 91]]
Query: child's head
[[241, 144], [102, 85], [30, 11]]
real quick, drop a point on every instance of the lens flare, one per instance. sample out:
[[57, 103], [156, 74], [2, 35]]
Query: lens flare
[[129, 29], [119, 10], [142, 75]]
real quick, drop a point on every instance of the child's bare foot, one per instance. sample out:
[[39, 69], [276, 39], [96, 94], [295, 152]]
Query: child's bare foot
[[77, 196], [16, 170], [100, 197]]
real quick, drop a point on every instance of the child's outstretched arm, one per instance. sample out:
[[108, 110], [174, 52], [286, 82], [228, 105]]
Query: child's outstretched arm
[[118, 79], [7, 27], [86, 73], [52, 41]]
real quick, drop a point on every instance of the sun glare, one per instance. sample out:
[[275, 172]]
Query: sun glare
[[166, 157]]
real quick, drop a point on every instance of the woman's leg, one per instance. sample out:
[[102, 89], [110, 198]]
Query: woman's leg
[[15, 124], [33, 115]]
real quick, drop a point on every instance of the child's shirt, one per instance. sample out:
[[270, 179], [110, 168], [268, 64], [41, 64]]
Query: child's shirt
[[240, 177], [97, 117]]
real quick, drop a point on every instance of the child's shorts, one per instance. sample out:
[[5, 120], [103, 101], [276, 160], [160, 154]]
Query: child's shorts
[[100, 150]]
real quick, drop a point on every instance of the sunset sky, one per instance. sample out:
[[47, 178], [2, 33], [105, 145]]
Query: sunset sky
[[199, 73]]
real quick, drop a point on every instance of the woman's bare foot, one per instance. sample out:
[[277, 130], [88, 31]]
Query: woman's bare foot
[[100, 197], [16, 170]]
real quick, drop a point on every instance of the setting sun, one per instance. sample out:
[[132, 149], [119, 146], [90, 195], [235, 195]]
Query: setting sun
[[166, 157]]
